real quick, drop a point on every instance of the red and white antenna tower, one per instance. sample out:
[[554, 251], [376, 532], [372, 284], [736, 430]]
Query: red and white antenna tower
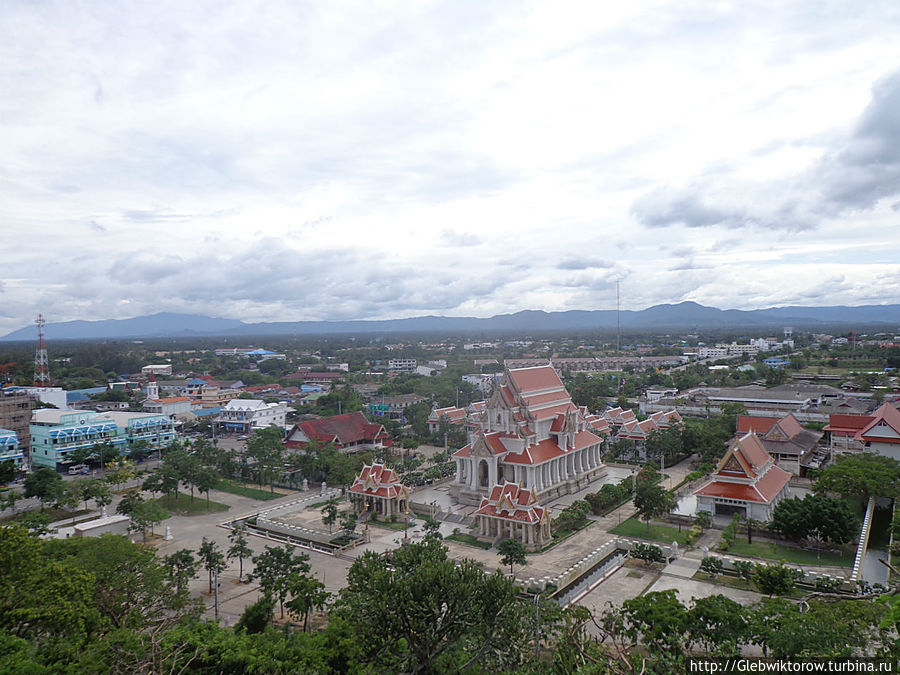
[[41, 363]]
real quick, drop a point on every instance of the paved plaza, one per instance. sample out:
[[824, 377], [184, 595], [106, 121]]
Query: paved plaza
[[626, 582]]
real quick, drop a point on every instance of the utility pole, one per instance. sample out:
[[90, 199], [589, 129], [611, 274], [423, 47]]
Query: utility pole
[[217, 594]]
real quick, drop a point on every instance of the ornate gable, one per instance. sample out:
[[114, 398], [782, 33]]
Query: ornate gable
[[776, 433], [732, 464], [480, 447]]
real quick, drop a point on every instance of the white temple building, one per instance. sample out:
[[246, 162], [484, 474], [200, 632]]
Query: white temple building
[[531, 434]]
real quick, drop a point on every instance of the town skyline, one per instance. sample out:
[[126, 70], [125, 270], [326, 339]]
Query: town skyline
[[311, 162]]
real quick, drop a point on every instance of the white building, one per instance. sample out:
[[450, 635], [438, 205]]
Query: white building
[[157, 369], [245, 414], [484, 382], [53, 395], [402, 365]]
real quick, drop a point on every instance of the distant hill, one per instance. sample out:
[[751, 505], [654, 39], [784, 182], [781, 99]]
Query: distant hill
[[683, 316]]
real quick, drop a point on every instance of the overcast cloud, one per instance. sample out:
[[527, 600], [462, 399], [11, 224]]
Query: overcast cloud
[[276, 160]]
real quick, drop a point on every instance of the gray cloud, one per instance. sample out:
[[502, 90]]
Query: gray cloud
[[862, 170], [584, 263]]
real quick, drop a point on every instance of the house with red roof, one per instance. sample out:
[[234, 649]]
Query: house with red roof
[[638, 432], [451, 415], [531, 434], [793, 447], [350, 432], [747, 481], [377, 489], [512, 512], [618, 417], [882, 434], [841, 430]]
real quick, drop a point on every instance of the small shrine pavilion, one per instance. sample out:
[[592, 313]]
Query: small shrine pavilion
[[512, 512], [378, 489]]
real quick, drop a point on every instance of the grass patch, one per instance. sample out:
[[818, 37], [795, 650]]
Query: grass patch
[[470, 540], [56, 515], [246, 491], [662, 533], [798, 556], [743, 584], [181, 505]]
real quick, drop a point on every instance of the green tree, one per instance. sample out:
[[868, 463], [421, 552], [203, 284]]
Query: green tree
[[120, 470], [348, 523], [815, 516], [652, 500], [239, 548], [212, 559], [421, 612], [265, 447], [658, 620], [330, 513], [306, 593], [9, 499], [257, 616], [45, 484], [719, 623], [182, 567], [512, 552], [146, 515], [205, 479], [35, 522], [774, 579], [864, 475], [274, 567], [665, 443], [69, 497], [8, 471]]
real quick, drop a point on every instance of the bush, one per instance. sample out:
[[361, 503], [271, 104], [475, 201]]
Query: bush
[[744, 569], [693, 535], [775, 579], [828, 585], [729, 533], [712, 565], [648, 553]]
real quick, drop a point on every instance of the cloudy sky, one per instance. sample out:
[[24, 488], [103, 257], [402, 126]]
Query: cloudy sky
[[330, 160]]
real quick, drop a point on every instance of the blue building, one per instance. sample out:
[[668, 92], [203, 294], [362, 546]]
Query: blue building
[[56, 433], [9, 447]]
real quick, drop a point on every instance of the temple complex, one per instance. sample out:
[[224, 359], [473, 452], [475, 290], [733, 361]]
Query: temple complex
[[531, 434]]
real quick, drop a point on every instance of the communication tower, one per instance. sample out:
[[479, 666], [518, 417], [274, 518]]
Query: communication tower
[[41, 363]]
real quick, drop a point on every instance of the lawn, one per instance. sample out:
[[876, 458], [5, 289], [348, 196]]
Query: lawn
[[182, 505], [54, 514], [662, 533], [469, 539], [743, 584], [246, 491], [788, 554]]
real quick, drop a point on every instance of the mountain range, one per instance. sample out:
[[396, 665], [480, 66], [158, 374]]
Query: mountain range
[[684, 316]]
